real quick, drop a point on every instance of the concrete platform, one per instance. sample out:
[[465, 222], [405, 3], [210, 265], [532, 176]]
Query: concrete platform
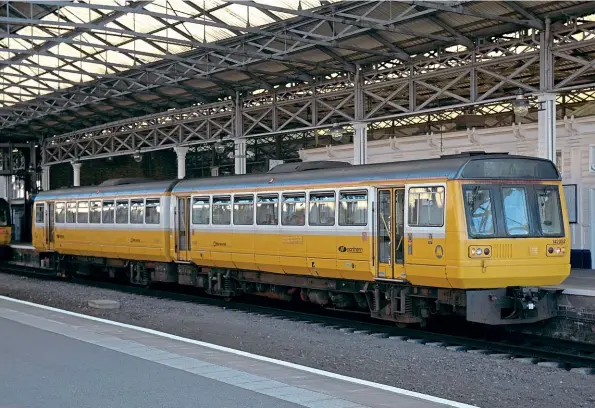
[[60, 358], [27, 246], [581, 282]]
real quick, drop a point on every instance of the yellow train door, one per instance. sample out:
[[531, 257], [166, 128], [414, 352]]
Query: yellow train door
[[50, 226], [390, 236], [183, 228]]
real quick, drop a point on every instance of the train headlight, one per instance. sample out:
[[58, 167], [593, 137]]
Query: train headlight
[[552, 250], [479, 252]]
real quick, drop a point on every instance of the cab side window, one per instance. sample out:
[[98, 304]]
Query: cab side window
[[39, 209], [426, 206]]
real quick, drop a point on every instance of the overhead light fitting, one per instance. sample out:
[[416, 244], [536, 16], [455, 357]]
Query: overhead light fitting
[[219, 147], [336, 132], [137, 156], [520, 105]]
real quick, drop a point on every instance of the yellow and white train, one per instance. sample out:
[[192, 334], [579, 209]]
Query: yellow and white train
[[474, 234], [5, 229]]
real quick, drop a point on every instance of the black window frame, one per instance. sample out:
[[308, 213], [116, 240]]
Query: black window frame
[[37, 213], [408, 208], [500, 231], [494, 208]]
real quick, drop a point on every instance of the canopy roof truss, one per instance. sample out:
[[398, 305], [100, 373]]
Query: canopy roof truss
[[251, 68]]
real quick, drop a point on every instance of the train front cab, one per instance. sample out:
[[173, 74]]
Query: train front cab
[[5, 229], [485, 240]]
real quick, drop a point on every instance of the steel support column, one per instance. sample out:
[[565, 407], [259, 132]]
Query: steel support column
[[240, 155], [76, 172], [547, 101], [181, 152], [45, 178], [360, 143], [360, 129], [547, 126], [239, 142]]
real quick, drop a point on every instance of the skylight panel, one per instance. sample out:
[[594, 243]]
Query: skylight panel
[[138, 23], [17, 44], [170, 33], [238, 15], [180, 8], [46, 61], [79, 14], [75, 77], [141, 46], [115, 57], [34, 31], [8, 98], [65, 50], [13, 89], [112, 38], [217, 34]]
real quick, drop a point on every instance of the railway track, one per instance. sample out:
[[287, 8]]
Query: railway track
[[549, 352]]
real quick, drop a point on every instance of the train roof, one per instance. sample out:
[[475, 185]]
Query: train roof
[[110, 188], [462, 166], [471, 165]]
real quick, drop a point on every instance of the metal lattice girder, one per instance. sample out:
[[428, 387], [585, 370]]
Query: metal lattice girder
[[105, 48], [452, 81]]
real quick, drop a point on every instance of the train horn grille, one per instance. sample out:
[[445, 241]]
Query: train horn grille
[[502, 251]]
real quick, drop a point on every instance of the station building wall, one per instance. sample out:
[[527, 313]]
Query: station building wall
[[158, 165], [575, 145]]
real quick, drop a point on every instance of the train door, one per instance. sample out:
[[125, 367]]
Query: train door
[[183, 228], [390, 233], [50, 230]]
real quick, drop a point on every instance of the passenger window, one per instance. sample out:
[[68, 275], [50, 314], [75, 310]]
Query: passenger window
[[516, 214], [71, 213], [243, 210], [153, 211], [267, 209], [137, 211], [550, 214], [95, 212], [294, 209], [122, 212], [108, 212], [82, 213], [221, 210], [478, 202], [426, 206], [353, 208], [201, 210], [60, 213], [39, 209], [322, 209]]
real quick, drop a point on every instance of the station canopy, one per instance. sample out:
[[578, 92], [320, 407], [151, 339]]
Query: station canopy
[[70, 65]]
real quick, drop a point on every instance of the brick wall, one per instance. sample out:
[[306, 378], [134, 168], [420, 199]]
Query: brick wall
[[160, 165]]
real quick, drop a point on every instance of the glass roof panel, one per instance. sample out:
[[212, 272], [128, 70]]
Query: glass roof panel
[[115, 57], [57, 65]]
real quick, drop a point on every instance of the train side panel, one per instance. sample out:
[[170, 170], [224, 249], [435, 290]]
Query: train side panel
[[77, 233]]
